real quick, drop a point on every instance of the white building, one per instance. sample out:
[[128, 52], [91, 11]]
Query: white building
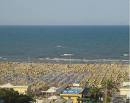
[[125, 89]]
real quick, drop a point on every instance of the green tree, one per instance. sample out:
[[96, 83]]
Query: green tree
[[95, 94], [109, 87], [11, 96], [92, 93], [23, 99]]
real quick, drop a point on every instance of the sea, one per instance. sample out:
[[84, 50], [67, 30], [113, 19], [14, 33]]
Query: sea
[[64, 43]]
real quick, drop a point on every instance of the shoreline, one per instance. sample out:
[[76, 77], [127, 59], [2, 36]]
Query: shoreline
[[65, 61]]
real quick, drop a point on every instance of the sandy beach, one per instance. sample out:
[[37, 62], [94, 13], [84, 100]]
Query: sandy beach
[[61, 74]]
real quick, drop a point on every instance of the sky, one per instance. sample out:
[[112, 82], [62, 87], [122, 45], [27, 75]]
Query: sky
[[64, 12]]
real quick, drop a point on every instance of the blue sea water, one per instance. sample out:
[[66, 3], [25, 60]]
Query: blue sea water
[[51, 42]]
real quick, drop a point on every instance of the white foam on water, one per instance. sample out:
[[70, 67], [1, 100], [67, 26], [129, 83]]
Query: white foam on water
[[59, 46], [83, 60], [125, 55]]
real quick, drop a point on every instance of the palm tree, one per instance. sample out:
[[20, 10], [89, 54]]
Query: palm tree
[[109, 87], [95, 94]]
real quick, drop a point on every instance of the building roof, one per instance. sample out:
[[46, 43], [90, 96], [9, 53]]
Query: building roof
[[72, 90], [76, 84], [51, 90], [9, 85], [126, 84]]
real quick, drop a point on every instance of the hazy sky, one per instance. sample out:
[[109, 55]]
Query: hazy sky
[[64, 12]]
